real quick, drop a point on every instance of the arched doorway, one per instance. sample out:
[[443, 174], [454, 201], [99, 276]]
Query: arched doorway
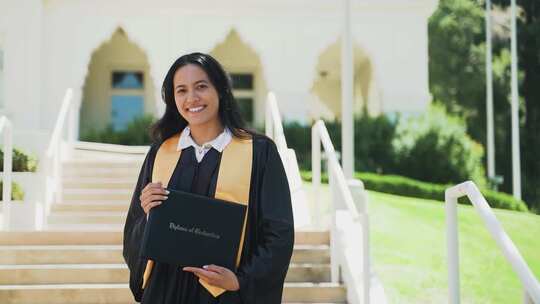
[[245, 68], [327, 84], [117, 88]]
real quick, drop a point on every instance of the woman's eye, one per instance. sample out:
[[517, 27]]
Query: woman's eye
[[180, 91], [201, 86]]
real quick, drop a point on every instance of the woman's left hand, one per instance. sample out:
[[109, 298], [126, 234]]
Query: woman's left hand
[[217, 276]]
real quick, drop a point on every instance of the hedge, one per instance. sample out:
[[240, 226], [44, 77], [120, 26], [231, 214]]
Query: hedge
[[135, 134], [22, 162], [17, 193], [373, 150], [399, 185]]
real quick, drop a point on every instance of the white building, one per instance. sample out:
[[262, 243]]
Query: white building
[[115, 53]]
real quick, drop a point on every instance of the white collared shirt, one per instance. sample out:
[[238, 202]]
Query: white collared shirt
[[219, 143]]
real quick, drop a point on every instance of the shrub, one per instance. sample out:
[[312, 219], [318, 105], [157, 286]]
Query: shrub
[[299, 138], [21, 161], [433, 147], [404, 186], [17, 193], [136, 133], [373, 136], [436, 148]]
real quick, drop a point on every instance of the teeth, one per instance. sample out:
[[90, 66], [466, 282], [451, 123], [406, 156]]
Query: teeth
[[197, 109]]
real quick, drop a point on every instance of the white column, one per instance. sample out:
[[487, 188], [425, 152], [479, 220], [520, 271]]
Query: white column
[[516, 166], [347, 76], [489, 97]]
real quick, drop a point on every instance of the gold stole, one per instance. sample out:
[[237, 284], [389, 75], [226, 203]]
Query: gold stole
[[233, 184]]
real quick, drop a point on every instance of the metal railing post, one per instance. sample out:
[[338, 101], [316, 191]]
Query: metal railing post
[[316, 172], [58, 160], [55, 150], [268, 120], [364, 221], [334, 253], [527, 298], [452, 247], [343, 200], [6, 128], [495, 229], [358, 192]]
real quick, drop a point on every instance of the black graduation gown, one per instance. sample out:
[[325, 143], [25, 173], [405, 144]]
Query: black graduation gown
[[268, 241]]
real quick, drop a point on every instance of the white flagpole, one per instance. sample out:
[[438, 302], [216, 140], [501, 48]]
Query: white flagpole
[[347, 75], [516, 166], [489, 97]]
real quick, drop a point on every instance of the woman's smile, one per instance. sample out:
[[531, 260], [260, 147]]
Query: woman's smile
[[196, 109]]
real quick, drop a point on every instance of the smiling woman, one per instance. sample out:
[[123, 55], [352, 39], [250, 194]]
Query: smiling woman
[[203, 147]]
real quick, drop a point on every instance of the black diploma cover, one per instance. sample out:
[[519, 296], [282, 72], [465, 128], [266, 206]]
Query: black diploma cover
[[194, 230]]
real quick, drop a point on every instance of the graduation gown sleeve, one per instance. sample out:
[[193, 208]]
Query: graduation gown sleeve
[[134, 229], [262, 274]]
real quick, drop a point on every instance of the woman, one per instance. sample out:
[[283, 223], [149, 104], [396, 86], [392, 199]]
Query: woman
[[202, 113]]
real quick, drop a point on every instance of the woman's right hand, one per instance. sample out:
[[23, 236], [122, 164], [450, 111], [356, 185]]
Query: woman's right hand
[[152, 195]]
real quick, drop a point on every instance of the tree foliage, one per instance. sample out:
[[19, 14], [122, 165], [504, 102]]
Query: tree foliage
[[457, 80]]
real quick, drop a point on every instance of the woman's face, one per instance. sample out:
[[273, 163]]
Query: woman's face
[[195, 96]]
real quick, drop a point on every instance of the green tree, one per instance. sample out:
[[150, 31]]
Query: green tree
[[456, 68], [457, 80], [528, 31]]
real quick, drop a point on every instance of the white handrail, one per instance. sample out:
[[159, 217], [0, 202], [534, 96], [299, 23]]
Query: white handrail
[[6, 128], [53, 155], [274, 125], [320, 135], [511, 253], [274, 130], [59, 124], [342, 252]]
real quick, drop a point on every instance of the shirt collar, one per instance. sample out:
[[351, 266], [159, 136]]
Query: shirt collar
[[219, 143]]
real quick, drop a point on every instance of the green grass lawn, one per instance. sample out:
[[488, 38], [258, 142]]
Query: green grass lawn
[[408, 238]]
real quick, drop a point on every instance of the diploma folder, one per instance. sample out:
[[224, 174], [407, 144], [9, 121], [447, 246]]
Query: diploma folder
[[194, 230]]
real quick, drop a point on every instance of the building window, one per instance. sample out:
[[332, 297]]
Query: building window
[[244, 92], [127, 98], [127, 80]]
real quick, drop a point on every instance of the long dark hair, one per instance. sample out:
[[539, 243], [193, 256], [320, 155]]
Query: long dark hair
[[172, 122]]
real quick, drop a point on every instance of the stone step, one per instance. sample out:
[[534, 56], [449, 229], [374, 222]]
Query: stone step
[[84, 164], [85, 195], [311, 254], [61, 238], [84, 227], [109, 150], [314, 292], [112, 254], [99, 172], [98, 165], [60, 254], [87, 217], [119, 273], [119, 293], [99, 183], [302, 237], [84, 206]]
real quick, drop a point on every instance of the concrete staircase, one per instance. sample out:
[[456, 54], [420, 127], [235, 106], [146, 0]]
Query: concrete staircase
[[97, 190], [78, 259]]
